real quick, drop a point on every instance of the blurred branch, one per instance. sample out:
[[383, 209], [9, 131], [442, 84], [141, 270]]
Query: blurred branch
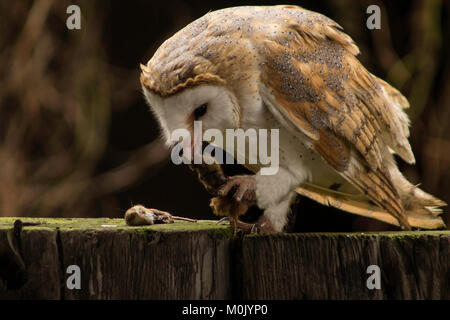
[[150, 156], [385, 53], [56, 111], [428, 41]]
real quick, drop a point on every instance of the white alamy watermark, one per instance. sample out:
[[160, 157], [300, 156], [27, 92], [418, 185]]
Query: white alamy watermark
[[374, 20], [74, 280], [73, 21], [374, 280], [248, 147]]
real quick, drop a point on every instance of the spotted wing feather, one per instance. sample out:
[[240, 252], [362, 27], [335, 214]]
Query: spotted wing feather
[[313, 78]]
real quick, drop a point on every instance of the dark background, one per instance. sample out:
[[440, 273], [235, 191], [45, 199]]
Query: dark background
[[78, 140]]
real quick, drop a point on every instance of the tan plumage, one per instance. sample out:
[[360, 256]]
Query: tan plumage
[[304, 68]]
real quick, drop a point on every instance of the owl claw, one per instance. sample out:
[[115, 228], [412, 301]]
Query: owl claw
[[244, 186], [262, 226], [224, 219], [238, 225]]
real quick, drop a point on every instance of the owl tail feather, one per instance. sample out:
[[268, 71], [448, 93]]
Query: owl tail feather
[[421, 213]]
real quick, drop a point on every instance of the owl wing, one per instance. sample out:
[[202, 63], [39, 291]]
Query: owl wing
[[359, 205], [314, 83]]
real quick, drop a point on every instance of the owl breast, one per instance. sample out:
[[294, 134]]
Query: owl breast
[[296, 156]]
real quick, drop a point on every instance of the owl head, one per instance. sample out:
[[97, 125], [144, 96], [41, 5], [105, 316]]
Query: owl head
[[212, 104], [205, 72]]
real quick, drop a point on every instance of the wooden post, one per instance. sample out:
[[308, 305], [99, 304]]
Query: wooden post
[[412, 265], [205, 261]]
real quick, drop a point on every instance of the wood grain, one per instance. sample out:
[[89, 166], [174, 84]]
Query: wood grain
[[204, 261]]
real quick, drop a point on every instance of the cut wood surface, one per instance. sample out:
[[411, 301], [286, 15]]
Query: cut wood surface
[[205, 260]]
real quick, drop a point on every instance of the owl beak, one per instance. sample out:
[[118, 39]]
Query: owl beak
[[185, 144]]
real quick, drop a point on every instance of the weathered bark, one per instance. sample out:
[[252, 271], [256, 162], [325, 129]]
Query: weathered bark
[[176, 261], [413, 265], [204, 261], [29, 266]]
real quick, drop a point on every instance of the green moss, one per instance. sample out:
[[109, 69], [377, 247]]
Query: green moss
[[389, 234], [63, 222], [115, 224], [216, 230]]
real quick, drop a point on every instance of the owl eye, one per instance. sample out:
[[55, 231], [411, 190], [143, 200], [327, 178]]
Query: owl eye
[[200, 111]]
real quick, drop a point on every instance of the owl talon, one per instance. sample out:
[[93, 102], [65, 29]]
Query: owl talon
[[254, 230], [224, 219], [262, 226], [246, 228], [244, 187]]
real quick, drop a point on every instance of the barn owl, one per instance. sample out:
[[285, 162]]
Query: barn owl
[[296, 70]]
